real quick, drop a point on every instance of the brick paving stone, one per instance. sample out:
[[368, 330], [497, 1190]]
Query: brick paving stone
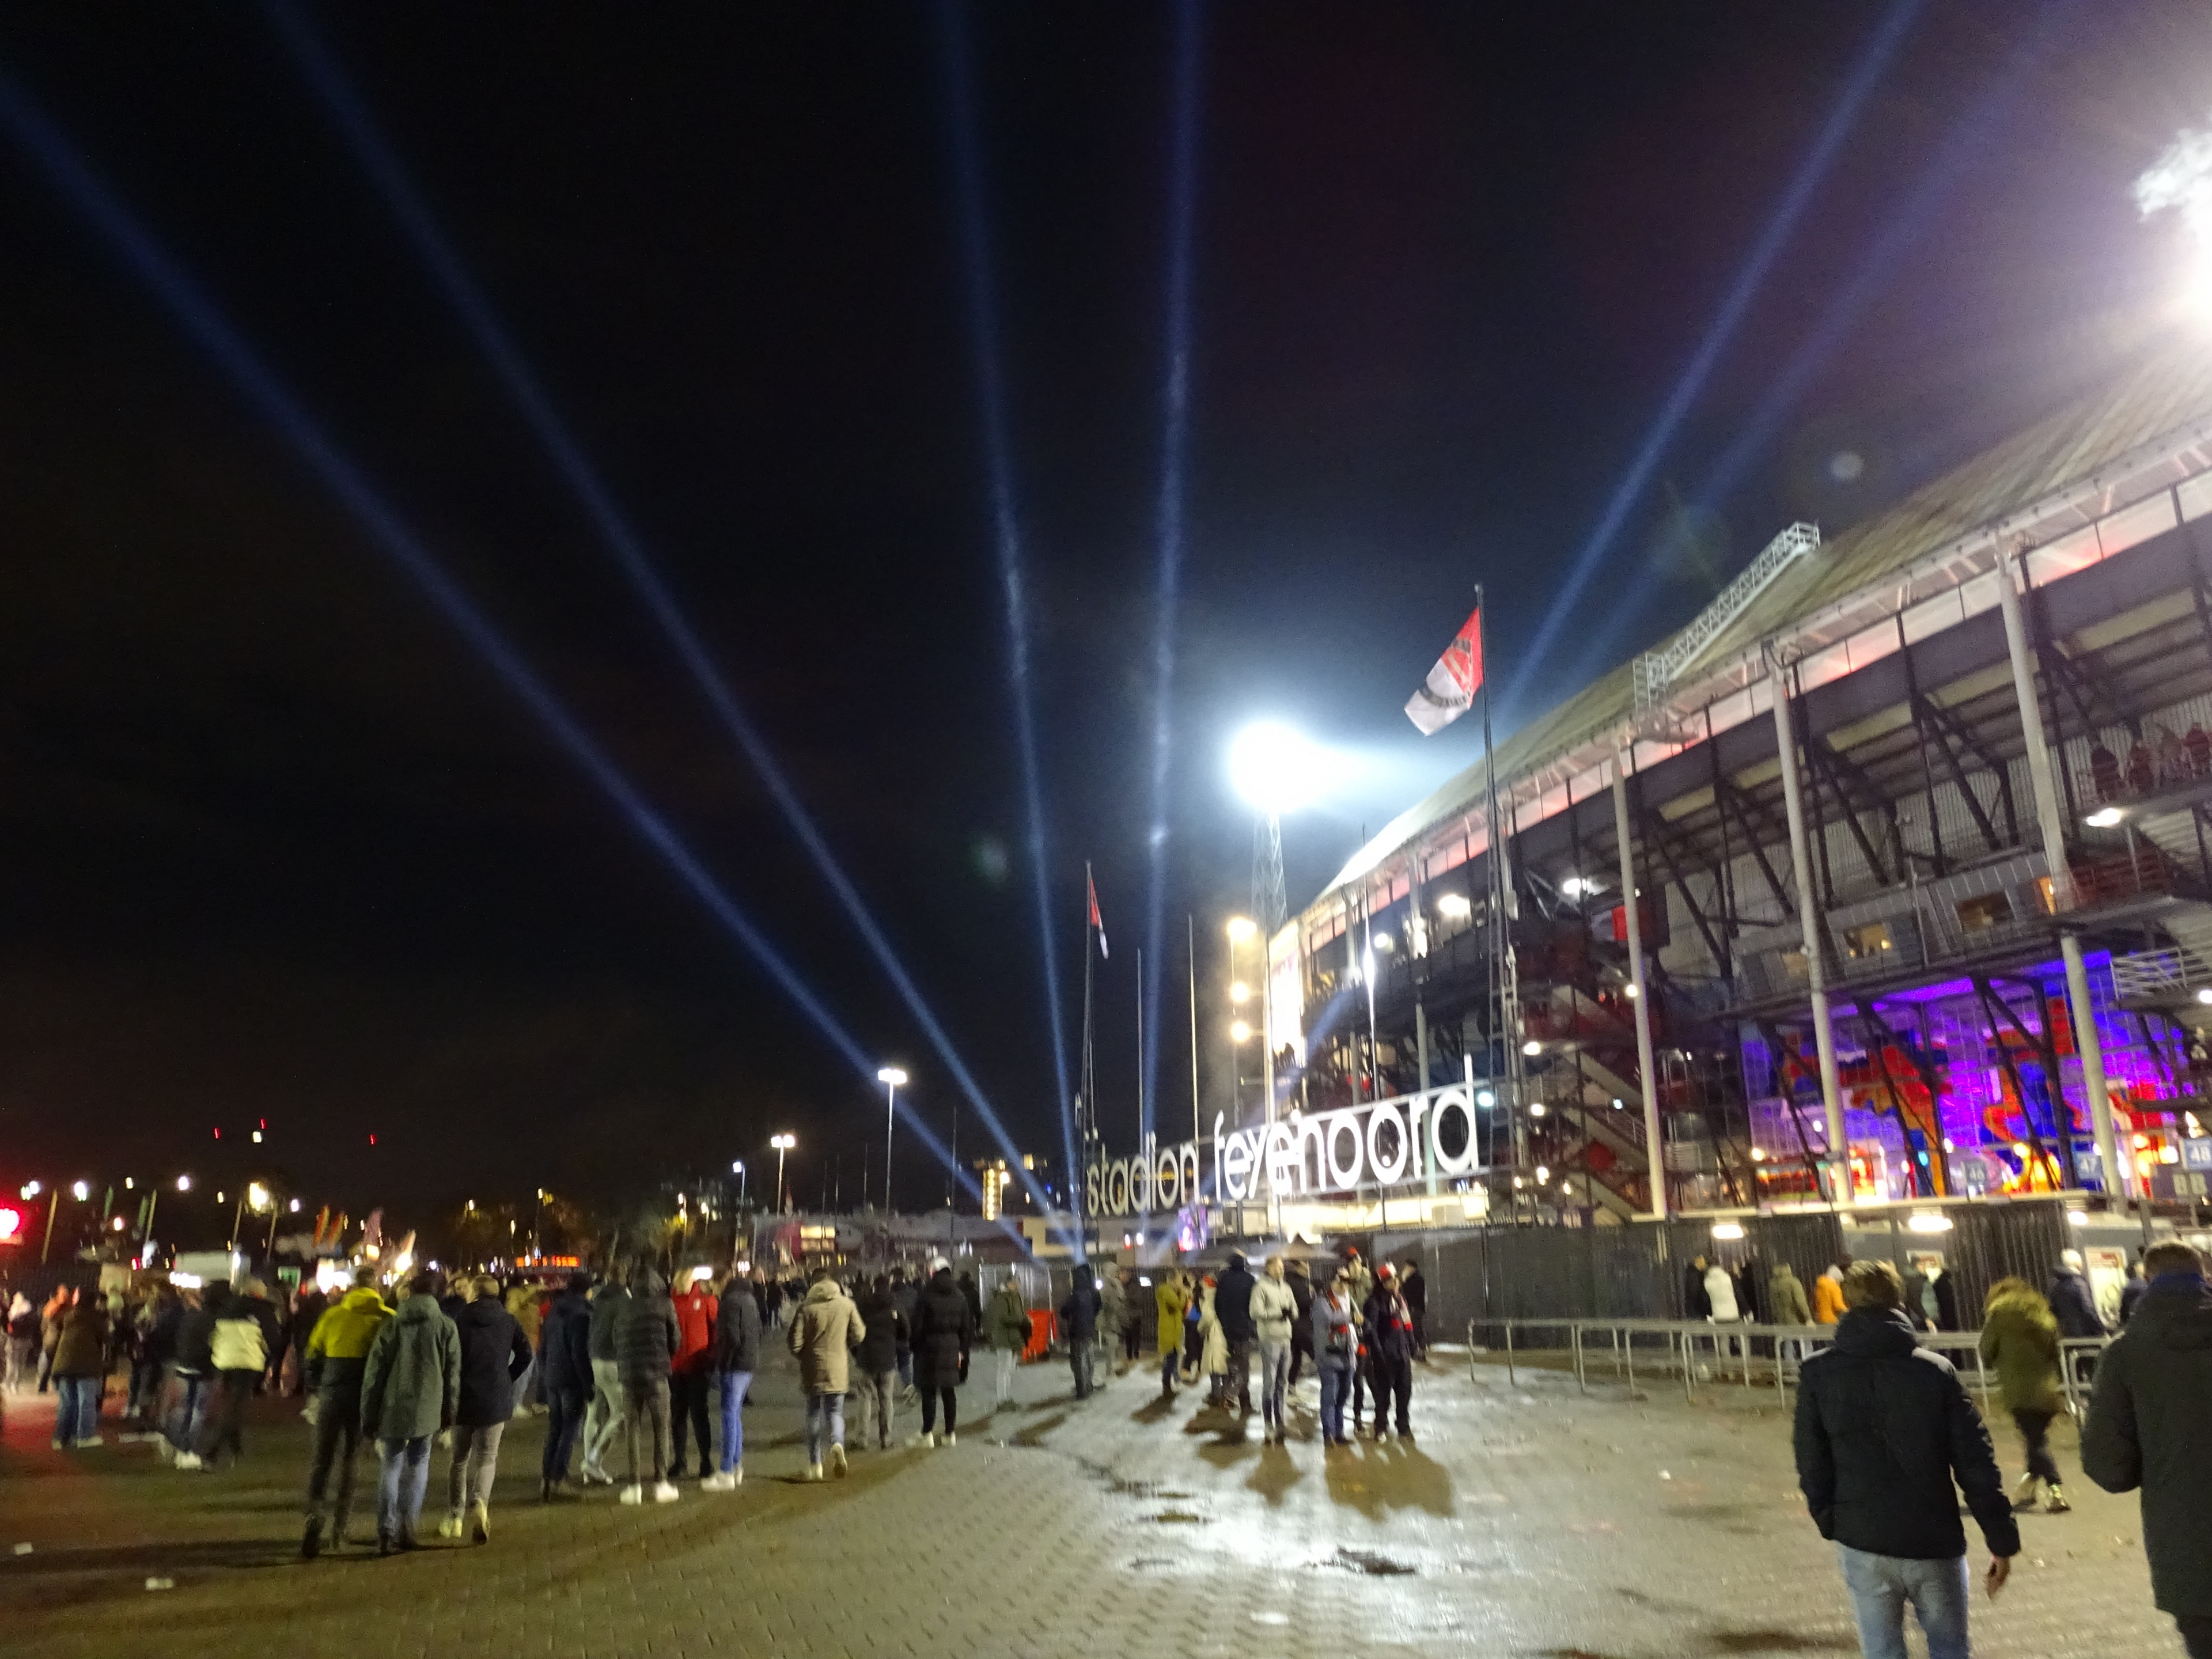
[[1523, 1519]]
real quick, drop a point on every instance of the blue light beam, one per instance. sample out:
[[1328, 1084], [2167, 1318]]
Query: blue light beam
[[207, 326], [982, 323], [376, 157], [1174, 443], [1896, 20]]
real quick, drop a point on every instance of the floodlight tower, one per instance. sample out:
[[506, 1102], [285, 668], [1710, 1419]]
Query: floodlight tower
[[1274, 770]]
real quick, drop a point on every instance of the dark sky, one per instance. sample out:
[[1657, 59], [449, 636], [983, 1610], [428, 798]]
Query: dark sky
[[274, 843]]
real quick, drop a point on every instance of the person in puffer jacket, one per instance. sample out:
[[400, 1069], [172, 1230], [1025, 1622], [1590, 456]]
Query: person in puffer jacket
[[410, 1391], [336, 1355], [564, 1380], [238, 1350], [737, 1357], [647, 1342]]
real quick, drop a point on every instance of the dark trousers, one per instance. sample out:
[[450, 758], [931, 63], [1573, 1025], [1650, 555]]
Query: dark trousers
[[2035, 1429], [337, 1438], [931, 1394], [1420, 1333], [1239, 1385], [1393, 1381], [1301, 1355], [1131, 1336], [226, 1415], [2196, 1630], [687, 1406], [564, 1426], [1363, 1379]]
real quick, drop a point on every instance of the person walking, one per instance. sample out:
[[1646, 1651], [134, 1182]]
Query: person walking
[[907, 1294], [1387, 1333], [1828, 1305], [944, 1330], [157, 1347], [2132, 1292], [80, 1372], [648, 1340], [527, 1310], [1274, 1317], [1415, 1289], [1078, 1328], [337, 1356], [1787, 1294], [1213, 1344], [611, 1308], [2072, 1304], [1113, 1309], [1299, 1278], [1132, 1320], [192, 1376], [2145, 1431], [495, 1354], [239, 1352], [737, 1359], [877, 1360], [1170, 1302], [1334, 1342], [22, 1343], [1883, 1431], [564, 1382], [1006, 1334], [1232, 1306], [690, 1375], [2019, 1337], [411, 1389], [823, 1332]]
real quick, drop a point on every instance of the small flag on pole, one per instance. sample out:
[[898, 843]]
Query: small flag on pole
[[1096, 920], [1449, 691]]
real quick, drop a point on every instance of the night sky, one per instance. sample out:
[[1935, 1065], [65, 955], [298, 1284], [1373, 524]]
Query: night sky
[[274, 843]]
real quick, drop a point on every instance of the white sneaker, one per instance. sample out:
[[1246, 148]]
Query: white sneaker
[[837, 1461], [91, 1440], [633, 1494], [665, 1492], [951, 1438], [813, 1471], [189, 1461], [926, 1441], [717, 1483]]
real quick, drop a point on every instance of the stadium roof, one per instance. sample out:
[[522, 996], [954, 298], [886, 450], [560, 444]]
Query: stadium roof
[[2154, 423]]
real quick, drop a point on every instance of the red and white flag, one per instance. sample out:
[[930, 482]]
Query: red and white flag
[[1096, 920], [1449, 691]]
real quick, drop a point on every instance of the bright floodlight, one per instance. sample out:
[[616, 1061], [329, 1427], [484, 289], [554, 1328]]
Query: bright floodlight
[[783, 1143], [1240, 928], [1241, 1031], [1273, 769], [183, 1183], [80, 1191], [892, 1075]]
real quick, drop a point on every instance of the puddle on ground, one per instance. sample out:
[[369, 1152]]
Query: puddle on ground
[[1366, 1561], [1177, 1518]]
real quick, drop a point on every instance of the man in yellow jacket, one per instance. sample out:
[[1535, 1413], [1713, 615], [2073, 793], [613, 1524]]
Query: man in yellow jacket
[[338, 1352]]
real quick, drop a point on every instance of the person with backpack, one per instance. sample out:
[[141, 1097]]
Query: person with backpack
[[239, 1352]]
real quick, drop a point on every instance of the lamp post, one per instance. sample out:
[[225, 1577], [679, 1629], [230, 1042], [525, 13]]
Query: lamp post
[[1275, 771], [782, 1144], [891, 1077]]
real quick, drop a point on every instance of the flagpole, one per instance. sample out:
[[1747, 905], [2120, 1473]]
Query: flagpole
[[1190, 944], [1087, 1116], [1501, 877], [1140, 1048]]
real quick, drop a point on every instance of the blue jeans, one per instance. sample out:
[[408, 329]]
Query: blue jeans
[[77, 1412], [564, 1426], [1336, 1382], [1881, 1585], [735, 1385], [399, 1510], [825, 1420], [186, 1405]]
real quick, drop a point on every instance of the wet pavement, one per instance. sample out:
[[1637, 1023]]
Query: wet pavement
[[1522, 1519]]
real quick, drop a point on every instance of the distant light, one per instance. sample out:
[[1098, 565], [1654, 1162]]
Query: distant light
[[1928, 1221], [295, 1206], [1239, 991], [183, 1183], [256, 1137], [738, 1167], [129, 1184], [1484, 1098], [1241, 928], [2103, 817], [1543, 1173], [2204, 995], [1631, 989], [1384, 942], [30, 1189], [1240, 1031], [1537, 1108], [1275, 769], [783, 1143], [1456, 906], [118, 1224], [1727, 1229], [1576, 887], [700, 1275], [1618, 1105], [80, 1191], [2077, 1218], [11, 1222], [892, 1075], [1532, 1047], [1758, 1153]]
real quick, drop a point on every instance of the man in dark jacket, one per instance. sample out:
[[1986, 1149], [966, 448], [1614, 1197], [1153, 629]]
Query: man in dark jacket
[[191, 1372], [2072, 1303], [1884, 1427], [1415, 1289], [564, 1378], [1385, 1328], [2145, 1429], [306, 1313], [737, 1357], [1078, 1328], [944, 1330], [1299, 1278], [907, 1294], [876, 1361], [1232, 1306], [643, 1351], [609, 1309], [495, 1353]]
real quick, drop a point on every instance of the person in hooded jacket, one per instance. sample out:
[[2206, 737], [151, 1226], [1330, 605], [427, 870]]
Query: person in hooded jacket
[[494, 1353], [239, 1352], [642, 1350], [2133, 1292], [610, 1307], [1787, 1295], [944, 1331], [410, 1388], [1232, 1306], [691, 1373], [337, 1356], [877, 1360], [564, 1381], [907, 1294], [2019, 1338], [1006, 1334], [2145, 1429], [736, 1358], [823, 1332], [2072, 1302], [1078, 1328], [1170, 1302], [80, 1372], [1828, 1305], [1883, 1430], [157, 1347], [1299, 1278]]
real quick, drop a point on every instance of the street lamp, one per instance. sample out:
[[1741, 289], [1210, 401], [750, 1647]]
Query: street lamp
[[782, 1145], [737, 1168], [891, 1077]]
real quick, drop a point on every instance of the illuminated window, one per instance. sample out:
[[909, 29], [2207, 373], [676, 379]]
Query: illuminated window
[[1871, 940], [1978, 915]]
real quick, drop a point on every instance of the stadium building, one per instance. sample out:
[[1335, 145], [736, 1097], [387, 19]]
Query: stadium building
[[1887, 954]]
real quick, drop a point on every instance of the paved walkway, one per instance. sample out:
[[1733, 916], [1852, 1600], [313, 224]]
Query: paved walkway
[[1523, 1520]]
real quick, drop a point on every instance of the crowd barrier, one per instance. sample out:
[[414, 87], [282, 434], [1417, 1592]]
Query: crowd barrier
[[1732, 1344]]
